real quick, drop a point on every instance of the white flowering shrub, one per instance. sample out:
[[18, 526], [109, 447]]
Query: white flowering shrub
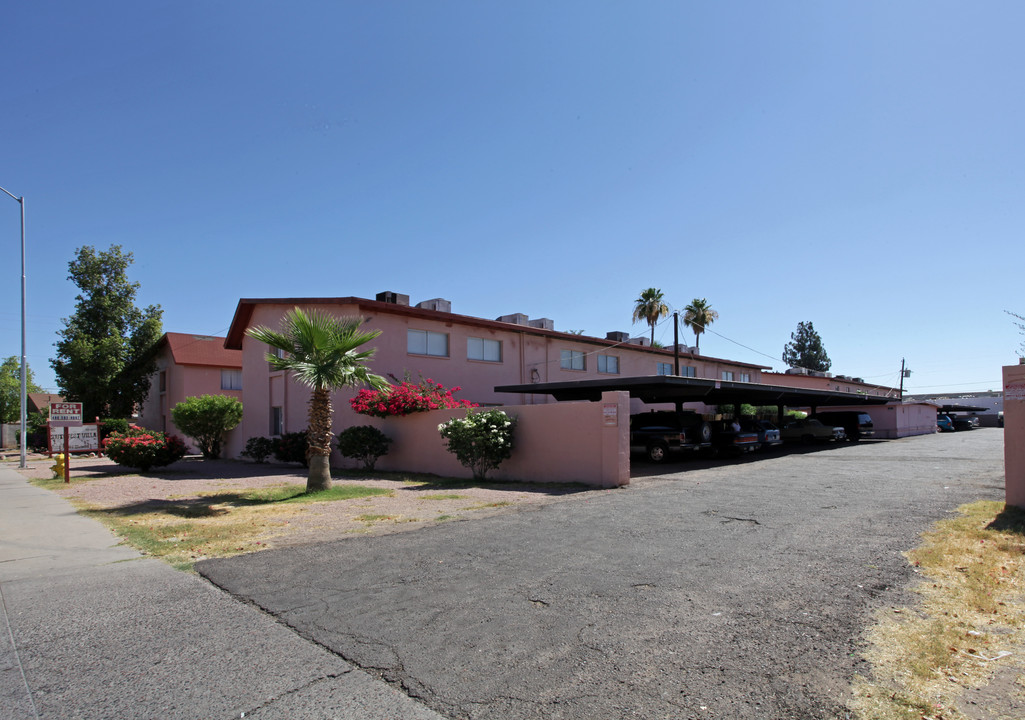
[[481, 440]]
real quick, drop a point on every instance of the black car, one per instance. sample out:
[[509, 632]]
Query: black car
[[660, 433], [965, 422], [857, 425]]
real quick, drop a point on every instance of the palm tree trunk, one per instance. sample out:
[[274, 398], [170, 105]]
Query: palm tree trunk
[[319, 438]]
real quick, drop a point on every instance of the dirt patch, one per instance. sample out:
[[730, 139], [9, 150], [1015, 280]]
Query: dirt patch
[[193, 483]]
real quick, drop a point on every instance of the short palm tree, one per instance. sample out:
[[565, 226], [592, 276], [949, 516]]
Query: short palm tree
[[323, 354], [650, 307], [698, 316]]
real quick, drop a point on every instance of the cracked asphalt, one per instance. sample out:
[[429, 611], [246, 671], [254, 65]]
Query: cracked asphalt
[[737, 590]]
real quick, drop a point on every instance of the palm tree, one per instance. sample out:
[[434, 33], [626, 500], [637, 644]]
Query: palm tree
[[650, 307], [322, 353], [698, 316]]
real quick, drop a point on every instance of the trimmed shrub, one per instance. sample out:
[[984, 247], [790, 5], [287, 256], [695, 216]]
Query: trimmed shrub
[[365, 443], [143, 449], [481, 440], [258, 449], [206, 418], [292, 447], [112, 425]]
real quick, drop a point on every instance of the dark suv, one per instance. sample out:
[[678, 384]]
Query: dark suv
[[661, 432], [856, 424]]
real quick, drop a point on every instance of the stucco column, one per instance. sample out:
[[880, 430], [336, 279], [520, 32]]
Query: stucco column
[[615, 438], [1014, 435]]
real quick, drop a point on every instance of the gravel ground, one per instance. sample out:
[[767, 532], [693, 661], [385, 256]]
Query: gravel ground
[[100, 483]]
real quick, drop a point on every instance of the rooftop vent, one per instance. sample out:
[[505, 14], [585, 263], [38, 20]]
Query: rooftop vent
[[854, 379], [393, 297], [618, 336], [640, 340], [439, 304], [542, 323], [797, 371], [515, 319]]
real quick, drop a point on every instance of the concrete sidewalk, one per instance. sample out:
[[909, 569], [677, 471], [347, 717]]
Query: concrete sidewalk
[[92, 629]]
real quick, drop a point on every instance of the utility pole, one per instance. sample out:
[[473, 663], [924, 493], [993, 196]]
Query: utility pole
[[904, 372], [676, 343]]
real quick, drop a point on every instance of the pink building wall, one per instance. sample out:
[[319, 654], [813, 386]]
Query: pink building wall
[[560, 442], [812, 382], [528, 355], [897, 420], [181, 381], [1014, 435]]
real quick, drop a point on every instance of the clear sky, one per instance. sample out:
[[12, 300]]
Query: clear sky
[[858, 165]]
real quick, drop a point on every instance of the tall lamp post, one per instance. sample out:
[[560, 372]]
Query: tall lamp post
[[24, 367]]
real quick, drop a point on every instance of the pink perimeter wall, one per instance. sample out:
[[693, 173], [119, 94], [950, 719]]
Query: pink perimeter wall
[[897, 420], [582, 442], [1014, 435]]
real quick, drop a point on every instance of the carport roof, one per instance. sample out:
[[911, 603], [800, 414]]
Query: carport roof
[[671, 388]]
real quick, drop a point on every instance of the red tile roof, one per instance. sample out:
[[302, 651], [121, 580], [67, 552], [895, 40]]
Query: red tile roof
[[189, 349]]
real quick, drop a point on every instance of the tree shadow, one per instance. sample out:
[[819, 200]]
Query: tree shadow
[[1010, 520], [426, 482], [197, 507]]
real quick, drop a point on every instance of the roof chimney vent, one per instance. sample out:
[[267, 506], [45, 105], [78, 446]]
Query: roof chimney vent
[[542, 323], [392, 297], [618, 336], [515, 319], [439, 304]]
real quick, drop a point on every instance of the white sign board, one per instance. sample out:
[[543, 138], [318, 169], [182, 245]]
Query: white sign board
[[65, 414], [84, 438]]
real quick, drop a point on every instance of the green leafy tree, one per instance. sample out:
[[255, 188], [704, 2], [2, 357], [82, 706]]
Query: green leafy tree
[[650, 307], [322, 352], [205, 419], [698, 316], [805, 349], [10, 388], [105, 353]]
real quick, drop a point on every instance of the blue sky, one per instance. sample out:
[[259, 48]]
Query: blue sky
[[858, 165]]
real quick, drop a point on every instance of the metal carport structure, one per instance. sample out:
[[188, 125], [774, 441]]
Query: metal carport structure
[[680, 390]]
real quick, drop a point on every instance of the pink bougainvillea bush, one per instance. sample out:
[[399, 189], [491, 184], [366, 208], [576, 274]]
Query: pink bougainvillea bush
[[407, 397], [143, 449]]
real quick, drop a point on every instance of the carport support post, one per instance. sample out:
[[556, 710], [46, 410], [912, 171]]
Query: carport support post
[[1014, 435]]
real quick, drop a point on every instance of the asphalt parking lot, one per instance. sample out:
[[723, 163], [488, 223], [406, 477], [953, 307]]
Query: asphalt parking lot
[[729, 590]]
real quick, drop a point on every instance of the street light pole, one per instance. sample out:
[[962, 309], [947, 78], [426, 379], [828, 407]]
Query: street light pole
[[24, 366]]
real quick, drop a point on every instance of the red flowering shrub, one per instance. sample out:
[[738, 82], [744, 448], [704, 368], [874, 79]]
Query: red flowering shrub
[[406, 398], [143, 449]]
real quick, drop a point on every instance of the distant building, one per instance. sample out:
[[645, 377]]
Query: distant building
[[188, 366]]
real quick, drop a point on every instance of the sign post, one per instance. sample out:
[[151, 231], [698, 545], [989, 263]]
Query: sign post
[[66, 415]]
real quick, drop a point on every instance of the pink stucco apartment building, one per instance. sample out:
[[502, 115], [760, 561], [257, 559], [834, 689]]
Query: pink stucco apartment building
[[429, 340], [189, 366]]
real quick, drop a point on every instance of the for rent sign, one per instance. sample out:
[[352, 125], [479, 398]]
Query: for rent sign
[[65, 414]]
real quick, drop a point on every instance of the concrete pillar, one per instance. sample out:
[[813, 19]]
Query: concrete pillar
[[615, 438], [1014, 435]]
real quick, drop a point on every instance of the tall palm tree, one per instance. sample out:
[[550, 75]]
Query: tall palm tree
[[650, 307], [698, 316], [323, 354]]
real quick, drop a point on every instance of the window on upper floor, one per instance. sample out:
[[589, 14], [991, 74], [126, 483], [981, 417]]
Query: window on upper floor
[[231, 379], [277, 421], [608, 364], [163, 380], [425, 342], [685, 371], [745, 377], [573, 360], [727, 375], [483, 349]]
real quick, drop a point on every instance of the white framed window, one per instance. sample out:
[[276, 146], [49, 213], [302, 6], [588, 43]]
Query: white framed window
[[608, 364], [231, 379], [484, 349], [425, 342], [727, 375], [277, 421], [685, 371], [573, 360], [745, 377]]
